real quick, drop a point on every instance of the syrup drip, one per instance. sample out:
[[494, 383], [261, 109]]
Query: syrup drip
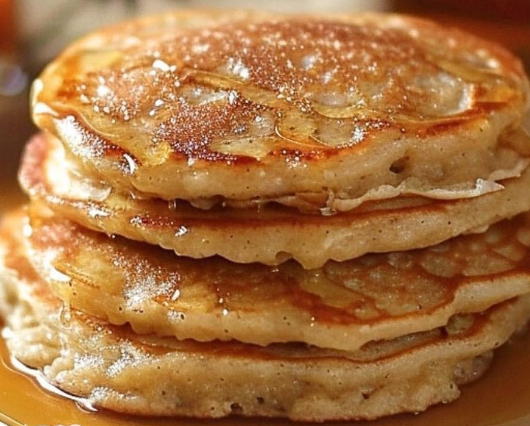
[[82, 403]]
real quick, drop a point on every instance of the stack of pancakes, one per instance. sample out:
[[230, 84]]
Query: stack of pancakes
[[306, 217]]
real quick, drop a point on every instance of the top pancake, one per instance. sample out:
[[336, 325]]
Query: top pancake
[[195, 105]]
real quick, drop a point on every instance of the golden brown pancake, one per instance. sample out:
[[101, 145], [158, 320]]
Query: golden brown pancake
[[269, 235], [386, 152], [249, 107], [115, 368], [340, 306]]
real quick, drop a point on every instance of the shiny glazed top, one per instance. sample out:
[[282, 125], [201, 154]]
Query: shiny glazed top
[[254, 96]]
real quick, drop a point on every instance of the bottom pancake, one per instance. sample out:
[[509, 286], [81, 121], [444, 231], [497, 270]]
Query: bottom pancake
[[114, 368]]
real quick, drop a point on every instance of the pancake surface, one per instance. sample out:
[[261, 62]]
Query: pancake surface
[[340, 306], [268, 235], [117, 369], [246, 106]]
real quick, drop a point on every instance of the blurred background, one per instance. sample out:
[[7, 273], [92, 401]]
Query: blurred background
[[32, 32]]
